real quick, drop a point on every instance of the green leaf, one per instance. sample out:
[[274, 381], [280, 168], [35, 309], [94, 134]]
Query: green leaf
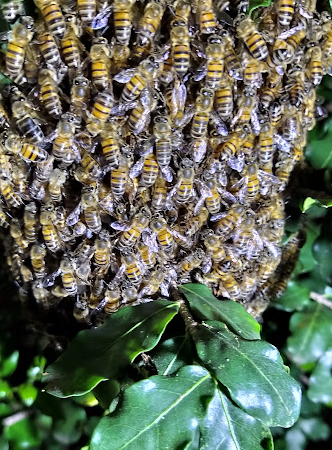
[[5, 389], [253, 373], [296, 297], [69, 430], [5, 410], [309, 202], [158, 413], [106, 391], [319, 152], [207, 307], [311, 334], [254, 4], [36, 370], [322, 252], [306, 260], [320, 382], [102, 353], [22, 434], [9, 364], [169, 356], [28, 393], [227, 427], [314, 428]]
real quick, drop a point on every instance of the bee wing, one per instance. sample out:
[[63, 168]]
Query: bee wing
[[101, 19], [137, 168], [207, 264], [125, 75], [150, 239], [288, 33], [173, 191], [143, 122], [255, 123], [120, 226], [226, 195], [257, 239], [167, 173], [187, 116], [164, 289], [281, 143], [216, 217], [268, 178], [220, 125], [122, 108], [74, 216], [199, 150], [145, 98], [49, 280], [236, 117], [236, 163], [201, 72]]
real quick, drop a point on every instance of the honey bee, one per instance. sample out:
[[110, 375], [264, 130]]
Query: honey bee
[[276, 110], [285, 12], [165, 142], [229, 286], [183, 189], [28, 152], [120, 57], [232, 61], [49, 232], [248, 284], [267, 265], [296, 86], [131, 267], [79, 96], [53, 17], [112, 298], [148, 26], [152, 285], [63, 144], [12, 10], [119, 177], [158, 201], [57, 180], [87, 11], [148, 257], [246, 239], [4, 118], [91, 211], [227, 221], [203, 107], [140, 115], [180, 48], [17, 235], [247, 31], [228, 149], [271, 89], [137, 79], [67, 268], [266, 150], [26, 123], [96, 293], [224, 98], [71, 46], [100, 54], [32, 62], [252, 73], [110, 145], [49, 92], [22, 34], [131, 233], [49, 50], [314, 70], [147, 165], [164, 235], [207, 20], [4, 218], [37, 256], [30, 218], [293, 39], [123, 20], [215, 252], [195, 223]]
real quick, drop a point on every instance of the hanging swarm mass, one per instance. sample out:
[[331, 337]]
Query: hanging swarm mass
[[146, 144]]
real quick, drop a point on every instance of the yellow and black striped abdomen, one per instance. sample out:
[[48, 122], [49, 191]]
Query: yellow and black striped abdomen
[[133, 88], [286, 12], [181, 58], [99, 74], [199, 125], [150, 171], [215, 70], [33, 153], [14, 58], [51, 100], [208, 23], [111, 151], [54, 19], [71, 53], [224, 102], [257, 46], [122, 26]]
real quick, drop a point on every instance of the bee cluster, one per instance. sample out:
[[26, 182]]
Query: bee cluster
[[145, 144]]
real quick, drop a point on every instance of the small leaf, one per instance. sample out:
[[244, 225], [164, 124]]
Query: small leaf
[[253, 373], [28, 393], [102, 353], [296, 297], [319, 152], [69, 430], [9, 364], [106, 391], [227, 427], [306, 260], [311, 334], [5, 389], [23, 434], [158, 413], [309, 202], [320, 383], [169, 356], [254, 4], [314, 428], [207, 307]]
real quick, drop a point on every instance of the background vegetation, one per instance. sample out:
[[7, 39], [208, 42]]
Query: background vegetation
[[299, 324]]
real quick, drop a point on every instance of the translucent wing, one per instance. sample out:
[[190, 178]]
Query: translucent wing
[[125, 75], [288, 33], [101, 19], [49, 280], [201, 72], [167, 173], [199, 150], [150, 239], [74, 216], [122, 108], [120, 226], [137, 168], [281, 143]]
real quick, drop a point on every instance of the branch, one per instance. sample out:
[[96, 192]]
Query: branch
[[184, 311], [321, 299]]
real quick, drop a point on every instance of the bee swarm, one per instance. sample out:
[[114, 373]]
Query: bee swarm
[[146, 144]]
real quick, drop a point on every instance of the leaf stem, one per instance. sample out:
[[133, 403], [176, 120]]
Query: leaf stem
[[184, 311], [321, 299]]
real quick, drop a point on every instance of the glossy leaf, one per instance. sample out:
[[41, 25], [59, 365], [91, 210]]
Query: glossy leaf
[[206, 306], [5, 389], [306, 260], [106, 391], [227, 427], [311, 334], [319, 152], [309, 202], [27, 393], [69, 429], [296, 297], [254, 4], [102, 353], [158, 413], [253, 373], [320, 383], [169, 356], [322, 252], [23, 434], [9, 364]]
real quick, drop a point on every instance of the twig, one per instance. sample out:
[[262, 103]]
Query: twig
[[184, 311], [321, 299]]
